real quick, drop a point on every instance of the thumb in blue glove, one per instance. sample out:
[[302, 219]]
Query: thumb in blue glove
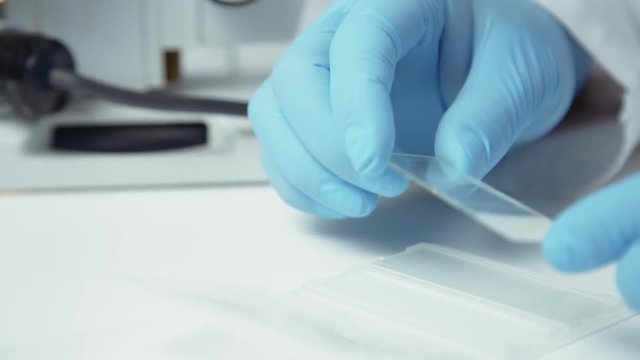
[[600, 229]]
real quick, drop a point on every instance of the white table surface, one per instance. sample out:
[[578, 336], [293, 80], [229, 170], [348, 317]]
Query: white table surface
[[70, 264]]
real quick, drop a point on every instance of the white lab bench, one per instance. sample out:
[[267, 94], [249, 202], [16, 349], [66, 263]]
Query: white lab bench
[[71, 265], [88, 274]]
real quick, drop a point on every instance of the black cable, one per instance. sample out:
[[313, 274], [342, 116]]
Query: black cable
[[38, 75], [72, 82]]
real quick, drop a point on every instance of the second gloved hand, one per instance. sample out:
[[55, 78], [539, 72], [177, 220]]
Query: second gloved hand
[[602, 228], [461, 79]]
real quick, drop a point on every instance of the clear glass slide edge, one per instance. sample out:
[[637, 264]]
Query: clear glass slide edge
[[486, 205], [469, 307]]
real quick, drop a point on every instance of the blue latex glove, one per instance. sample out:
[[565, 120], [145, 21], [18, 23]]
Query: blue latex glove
[[464, 79], [598, 230]]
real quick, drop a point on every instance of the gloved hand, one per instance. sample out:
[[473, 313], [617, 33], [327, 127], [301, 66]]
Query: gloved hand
[[464, 79], [600, 229]]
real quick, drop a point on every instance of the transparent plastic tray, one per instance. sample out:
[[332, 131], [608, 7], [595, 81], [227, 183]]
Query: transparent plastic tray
[[438, 303], [431, 302], [496, 211]]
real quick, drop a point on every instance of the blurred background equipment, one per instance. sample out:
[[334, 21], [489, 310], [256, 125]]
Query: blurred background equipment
[[132, 42], [39, 75], [164, 48], [2, 5]]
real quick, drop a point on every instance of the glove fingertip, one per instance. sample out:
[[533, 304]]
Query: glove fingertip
[[327, 214], [627, 276], [463, 150], [396, 186], [364, 153], [560, 254], [573, 250]]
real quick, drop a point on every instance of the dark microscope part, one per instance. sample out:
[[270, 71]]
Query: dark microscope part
[[233, 2], [128, 138], [25, 63]]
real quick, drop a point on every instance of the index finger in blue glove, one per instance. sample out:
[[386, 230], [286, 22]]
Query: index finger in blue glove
[[600, 229], [293, 196], [366, 48], [301, 83], [295, 174]]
